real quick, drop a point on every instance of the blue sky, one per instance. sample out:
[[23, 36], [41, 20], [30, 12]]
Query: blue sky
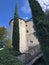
[[7, 8], [24, 9], [6, 11]]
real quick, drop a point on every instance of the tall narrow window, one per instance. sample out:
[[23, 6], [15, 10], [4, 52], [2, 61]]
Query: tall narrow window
[[27, 31]]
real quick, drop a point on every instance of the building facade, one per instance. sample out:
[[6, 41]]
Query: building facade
[[27, 34]]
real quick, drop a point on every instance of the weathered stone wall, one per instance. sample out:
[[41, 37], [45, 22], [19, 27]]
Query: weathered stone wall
[[27, 35], [11, 30], [30, 34], [22, 31]]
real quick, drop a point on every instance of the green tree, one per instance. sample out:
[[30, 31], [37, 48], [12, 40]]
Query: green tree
[[8, 41], [15, 39], [42, 27], [3, 33]]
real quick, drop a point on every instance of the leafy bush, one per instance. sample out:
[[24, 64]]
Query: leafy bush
[[15, 53], [7, 59], [1, 45], [8, 43]]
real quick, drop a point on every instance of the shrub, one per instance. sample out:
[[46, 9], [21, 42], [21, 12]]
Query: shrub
[[8, 43], [15, 53], [7, 59], [1, 45]]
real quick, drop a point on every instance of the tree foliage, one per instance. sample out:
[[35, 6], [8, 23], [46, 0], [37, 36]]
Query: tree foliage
[[8, 43], [3, 33], [42, 27], [6, 58], [15, 38]]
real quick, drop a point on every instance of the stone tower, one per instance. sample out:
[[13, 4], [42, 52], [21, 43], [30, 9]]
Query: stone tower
[[27, 34]]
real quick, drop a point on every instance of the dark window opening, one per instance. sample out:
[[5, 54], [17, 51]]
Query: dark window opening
[[27, 31], [26, 25], [31, 41]]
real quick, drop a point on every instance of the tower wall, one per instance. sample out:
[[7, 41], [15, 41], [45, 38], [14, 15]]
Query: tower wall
[[31, 34], [22, 31], [11, 30], [27, 34]]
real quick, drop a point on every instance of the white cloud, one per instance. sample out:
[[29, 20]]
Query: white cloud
[[26, 17], [44, 4], [25, 8]]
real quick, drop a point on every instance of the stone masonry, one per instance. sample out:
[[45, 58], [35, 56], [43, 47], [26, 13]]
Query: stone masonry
[[27, 34]]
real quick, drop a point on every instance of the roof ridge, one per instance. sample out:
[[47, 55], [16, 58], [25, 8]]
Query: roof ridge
[[22, 19]]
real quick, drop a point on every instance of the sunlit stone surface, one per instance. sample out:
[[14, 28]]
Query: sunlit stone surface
[[27, 34]]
